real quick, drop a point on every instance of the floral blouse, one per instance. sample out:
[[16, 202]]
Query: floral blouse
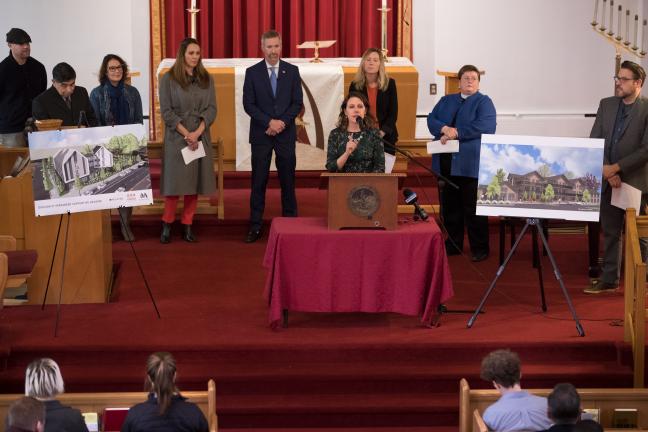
[[368, 157]]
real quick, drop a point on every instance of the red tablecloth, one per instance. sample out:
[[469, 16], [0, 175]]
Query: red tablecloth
[[312, 269]]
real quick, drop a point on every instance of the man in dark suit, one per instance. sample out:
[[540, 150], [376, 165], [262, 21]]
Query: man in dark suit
[[621, 120], [64, 100], [272, 97]]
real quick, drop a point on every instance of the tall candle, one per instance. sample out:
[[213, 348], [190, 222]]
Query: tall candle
[[384, 4], [636, 28], [602, 26], [627, 36], [611, 31], [618, 36], [594, 22], [643, 38], [193, 4]]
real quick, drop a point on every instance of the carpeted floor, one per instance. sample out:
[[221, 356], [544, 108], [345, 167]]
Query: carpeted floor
[[324, 370]]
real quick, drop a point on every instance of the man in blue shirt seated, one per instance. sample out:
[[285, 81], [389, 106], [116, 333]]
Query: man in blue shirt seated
[[516, 409]]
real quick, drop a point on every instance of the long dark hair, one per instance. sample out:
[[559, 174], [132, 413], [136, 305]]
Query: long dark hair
[[160, 373], [343, 121], [178, 72], [103, 70]]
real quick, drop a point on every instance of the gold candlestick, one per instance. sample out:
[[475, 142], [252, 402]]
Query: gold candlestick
[[193, 11], [383, 30]]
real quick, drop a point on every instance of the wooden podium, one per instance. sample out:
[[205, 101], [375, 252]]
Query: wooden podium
[[88, 266], [362, 200]]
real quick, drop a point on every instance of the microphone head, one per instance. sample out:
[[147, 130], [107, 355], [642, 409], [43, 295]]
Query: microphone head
[[410, 197], [360, 121]]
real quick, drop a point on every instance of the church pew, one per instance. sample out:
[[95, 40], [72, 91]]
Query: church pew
[[97, 402], [603, 399]]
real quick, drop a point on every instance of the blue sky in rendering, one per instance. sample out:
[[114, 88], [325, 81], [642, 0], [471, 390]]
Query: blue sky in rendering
[[521, 159]]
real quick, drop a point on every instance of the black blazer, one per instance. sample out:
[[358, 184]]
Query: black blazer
[[386, 110], [50, 105], [59, 417], [262, 106]]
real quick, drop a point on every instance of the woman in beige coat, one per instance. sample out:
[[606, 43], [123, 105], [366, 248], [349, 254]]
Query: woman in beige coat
[[188, 107]]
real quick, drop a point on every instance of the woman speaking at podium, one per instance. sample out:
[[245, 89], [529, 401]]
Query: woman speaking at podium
[[354, 146]]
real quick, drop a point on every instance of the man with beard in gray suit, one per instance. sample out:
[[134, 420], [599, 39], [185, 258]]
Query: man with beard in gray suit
[[621, 120]]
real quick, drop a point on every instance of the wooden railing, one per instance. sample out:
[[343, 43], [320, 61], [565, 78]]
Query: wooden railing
[[635, 292]]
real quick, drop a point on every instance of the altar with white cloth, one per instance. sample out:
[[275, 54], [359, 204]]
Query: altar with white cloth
[[324, 86]]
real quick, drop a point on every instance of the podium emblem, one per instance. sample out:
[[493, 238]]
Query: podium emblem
[[363, 201]]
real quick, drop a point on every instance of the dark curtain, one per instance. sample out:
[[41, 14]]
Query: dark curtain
[[233, 28]]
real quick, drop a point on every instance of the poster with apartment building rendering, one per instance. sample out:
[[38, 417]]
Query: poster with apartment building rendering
[[540, 177], [76, 170]]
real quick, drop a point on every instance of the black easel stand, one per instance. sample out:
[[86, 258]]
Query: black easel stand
[[58, 306], [49, 277], [537, 226], [139, 265]]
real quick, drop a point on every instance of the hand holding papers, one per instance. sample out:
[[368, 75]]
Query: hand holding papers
[[191, 155], [451, 146], [626, 197]]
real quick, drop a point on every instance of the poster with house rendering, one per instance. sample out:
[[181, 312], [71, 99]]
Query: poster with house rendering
[[540, 177], [76, 170]]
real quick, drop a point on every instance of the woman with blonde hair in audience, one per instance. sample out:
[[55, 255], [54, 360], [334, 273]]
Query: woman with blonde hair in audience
[[43, 381], [165, 409], [372, 80]]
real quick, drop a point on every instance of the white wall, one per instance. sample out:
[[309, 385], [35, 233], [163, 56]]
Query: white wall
[[81, 32], [545, 67]]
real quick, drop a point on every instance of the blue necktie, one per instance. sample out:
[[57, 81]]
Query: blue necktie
[[273, 81]]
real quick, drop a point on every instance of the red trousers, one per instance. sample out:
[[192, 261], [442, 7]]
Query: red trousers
[[171, 203]]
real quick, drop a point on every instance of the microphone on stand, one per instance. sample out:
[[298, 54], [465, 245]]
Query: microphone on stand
[[410, 198], [360, 122]]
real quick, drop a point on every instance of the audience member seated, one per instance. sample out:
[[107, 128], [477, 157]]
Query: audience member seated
[[44, 382], [516, 409], [587, 426], [563, 408], [165, 409], [26, 415]]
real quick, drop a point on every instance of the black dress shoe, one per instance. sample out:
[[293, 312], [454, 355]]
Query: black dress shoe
[[253, 235], [165, 237], [187, 234], [479, 256]]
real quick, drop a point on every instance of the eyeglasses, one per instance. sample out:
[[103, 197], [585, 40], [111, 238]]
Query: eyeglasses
[[115, 68], [622, 79]]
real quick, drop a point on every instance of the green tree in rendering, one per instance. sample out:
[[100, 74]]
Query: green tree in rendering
[[586, 196], [549, 193], [494, 189]]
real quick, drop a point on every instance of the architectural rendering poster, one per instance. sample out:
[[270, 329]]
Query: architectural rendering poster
[[540, 177], [87, 169]]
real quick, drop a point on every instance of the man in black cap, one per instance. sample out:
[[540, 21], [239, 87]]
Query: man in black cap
[[22, 78], [65, 100]]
